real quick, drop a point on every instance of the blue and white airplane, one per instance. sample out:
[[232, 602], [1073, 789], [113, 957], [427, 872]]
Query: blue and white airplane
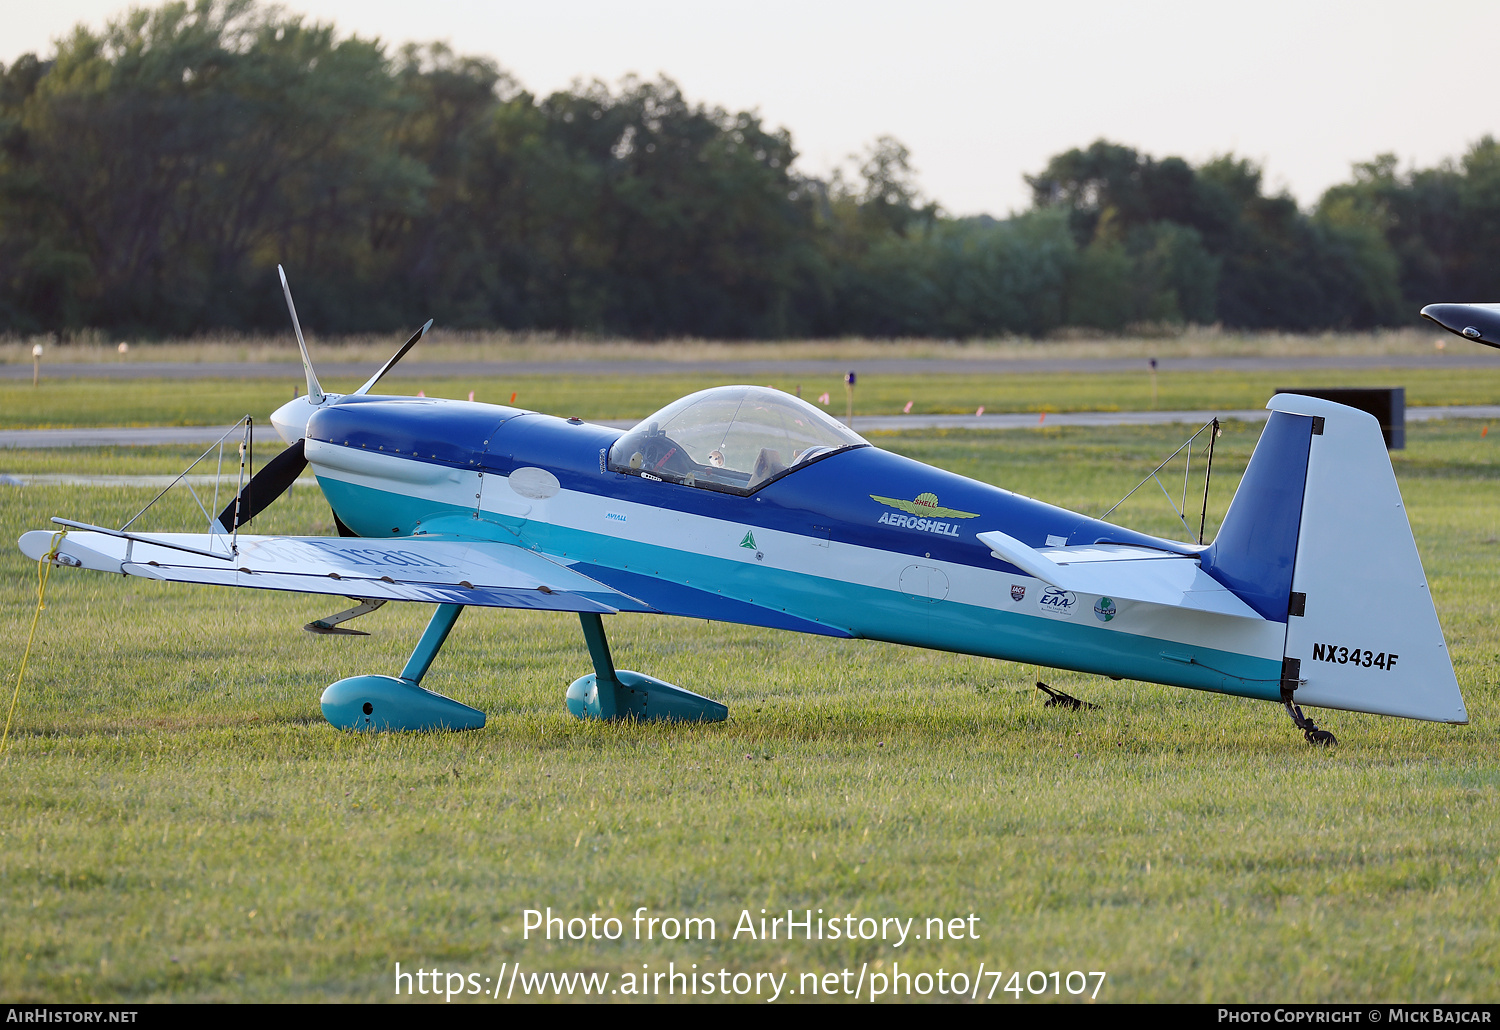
[[744, 504]]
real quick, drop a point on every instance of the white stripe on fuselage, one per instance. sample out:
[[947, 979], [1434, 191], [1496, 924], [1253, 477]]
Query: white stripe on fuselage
[[690, 534], [440, 484]]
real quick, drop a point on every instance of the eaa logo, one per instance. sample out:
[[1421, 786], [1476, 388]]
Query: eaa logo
[[1058, 603], [1105, 609], [1017, 592]]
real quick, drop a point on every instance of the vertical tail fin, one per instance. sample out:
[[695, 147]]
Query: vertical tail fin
[[1256, 547], [1317, 537]]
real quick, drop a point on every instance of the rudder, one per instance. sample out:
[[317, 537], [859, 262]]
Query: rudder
[[1363, 634], [1255, 550]]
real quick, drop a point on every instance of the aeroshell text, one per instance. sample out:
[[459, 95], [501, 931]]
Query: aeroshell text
[[924, 525]]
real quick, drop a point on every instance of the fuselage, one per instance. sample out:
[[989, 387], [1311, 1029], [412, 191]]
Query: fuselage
[[858, 543]]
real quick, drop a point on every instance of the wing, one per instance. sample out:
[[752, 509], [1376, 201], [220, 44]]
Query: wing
[[442, 570], [1122, 572]]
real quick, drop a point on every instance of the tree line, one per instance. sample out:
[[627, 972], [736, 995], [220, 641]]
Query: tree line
[[153, 174]]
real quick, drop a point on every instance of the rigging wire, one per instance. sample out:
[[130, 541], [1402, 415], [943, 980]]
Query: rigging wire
[[1187, 445]]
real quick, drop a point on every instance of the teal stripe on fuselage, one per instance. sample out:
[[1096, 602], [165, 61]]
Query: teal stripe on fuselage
[[371, 512], [864, 611]]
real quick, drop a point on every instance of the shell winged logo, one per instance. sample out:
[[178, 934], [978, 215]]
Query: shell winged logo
[[925, 504]]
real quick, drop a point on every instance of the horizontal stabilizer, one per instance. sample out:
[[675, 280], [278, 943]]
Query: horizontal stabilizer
[[1123, 573], [441, 570]]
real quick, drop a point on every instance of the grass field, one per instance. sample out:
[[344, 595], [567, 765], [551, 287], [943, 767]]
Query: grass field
[[82, 402], [180, 823], [442, 344]]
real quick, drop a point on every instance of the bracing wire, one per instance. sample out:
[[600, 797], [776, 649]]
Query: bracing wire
[[242, 422], [1211, 427]]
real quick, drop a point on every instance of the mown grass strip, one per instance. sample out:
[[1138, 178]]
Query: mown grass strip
[[72, 402], [179, 823]]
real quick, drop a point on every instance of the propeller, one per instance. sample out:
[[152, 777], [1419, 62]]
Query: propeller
[[265, 486], [291, 421], [315, 393], [408, 345]]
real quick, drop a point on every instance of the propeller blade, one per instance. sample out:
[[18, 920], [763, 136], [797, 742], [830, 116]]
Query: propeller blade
[[314, 391], [265, 486], [392, 363]]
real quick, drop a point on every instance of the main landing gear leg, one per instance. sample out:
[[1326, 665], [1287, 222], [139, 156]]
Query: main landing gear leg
[[1308, 727], [612, 694], [391, 703]]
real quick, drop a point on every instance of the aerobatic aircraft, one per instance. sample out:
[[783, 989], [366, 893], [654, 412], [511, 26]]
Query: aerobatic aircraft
[[744, 504]]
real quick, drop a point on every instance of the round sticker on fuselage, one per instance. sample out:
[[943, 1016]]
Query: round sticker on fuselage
[[538, 484]]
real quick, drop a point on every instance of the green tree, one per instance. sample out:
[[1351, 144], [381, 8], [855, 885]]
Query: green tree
[[185, 149], [1441, 223]]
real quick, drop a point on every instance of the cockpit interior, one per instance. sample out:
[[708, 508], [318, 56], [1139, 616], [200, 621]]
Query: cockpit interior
[[733, 439]]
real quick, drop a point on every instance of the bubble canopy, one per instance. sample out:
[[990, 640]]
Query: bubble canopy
[[733, 439]]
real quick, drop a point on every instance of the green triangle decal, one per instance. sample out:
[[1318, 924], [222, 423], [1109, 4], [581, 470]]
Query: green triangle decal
[[749, 542]]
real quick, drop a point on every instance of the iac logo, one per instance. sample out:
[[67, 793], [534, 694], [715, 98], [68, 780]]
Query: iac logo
[[1017, 592], [1058, 603]]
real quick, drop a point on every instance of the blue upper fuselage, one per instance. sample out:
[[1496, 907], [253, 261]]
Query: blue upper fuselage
[[903, 562], [863, 495]]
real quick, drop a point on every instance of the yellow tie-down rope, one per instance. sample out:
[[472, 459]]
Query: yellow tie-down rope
[[43, 570]]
